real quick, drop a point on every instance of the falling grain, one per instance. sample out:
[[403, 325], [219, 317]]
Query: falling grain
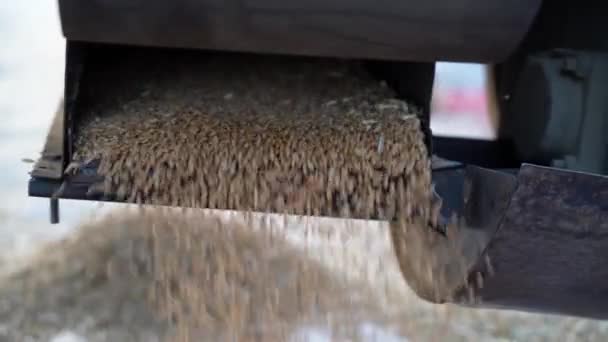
[[262, 134]]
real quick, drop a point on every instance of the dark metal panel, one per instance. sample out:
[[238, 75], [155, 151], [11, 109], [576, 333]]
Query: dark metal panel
[[74, 186], [549, 254], [50, 163], [533, 240], [458, 30], [58, 146]]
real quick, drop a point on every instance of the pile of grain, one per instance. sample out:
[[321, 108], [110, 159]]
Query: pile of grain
[[185, 276]]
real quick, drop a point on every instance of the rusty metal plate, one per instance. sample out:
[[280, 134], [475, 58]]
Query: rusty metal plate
[[550, 251]]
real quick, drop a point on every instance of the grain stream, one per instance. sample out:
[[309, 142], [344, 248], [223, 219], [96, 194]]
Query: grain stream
[[266, 134], [250, 133]]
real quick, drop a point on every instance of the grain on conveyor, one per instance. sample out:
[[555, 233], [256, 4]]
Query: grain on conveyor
[[262, 134]]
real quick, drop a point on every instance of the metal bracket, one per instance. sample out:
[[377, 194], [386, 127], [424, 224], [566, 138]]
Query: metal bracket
[[54, 206]]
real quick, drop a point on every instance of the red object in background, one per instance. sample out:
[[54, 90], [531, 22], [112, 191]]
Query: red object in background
[[458, 100]]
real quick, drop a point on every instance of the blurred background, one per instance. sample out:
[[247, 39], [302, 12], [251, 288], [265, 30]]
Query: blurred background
[[460, 106], [31, 85]]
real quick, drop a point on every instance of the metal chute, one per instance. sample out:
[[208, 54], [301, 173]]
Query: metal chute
[[543, 232]]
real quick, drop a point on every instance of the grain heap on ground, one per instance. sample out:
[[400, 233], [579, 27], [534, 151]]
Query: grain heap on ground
[[183, 276]]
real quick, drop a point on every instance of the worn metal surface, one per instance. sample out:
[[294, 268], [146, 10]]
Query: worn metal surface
[[58, 145], [487, 194], [448, 180], [535, 239], [455, 30], [550, 251], [50, 163], [74, 185], [478, 195]]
